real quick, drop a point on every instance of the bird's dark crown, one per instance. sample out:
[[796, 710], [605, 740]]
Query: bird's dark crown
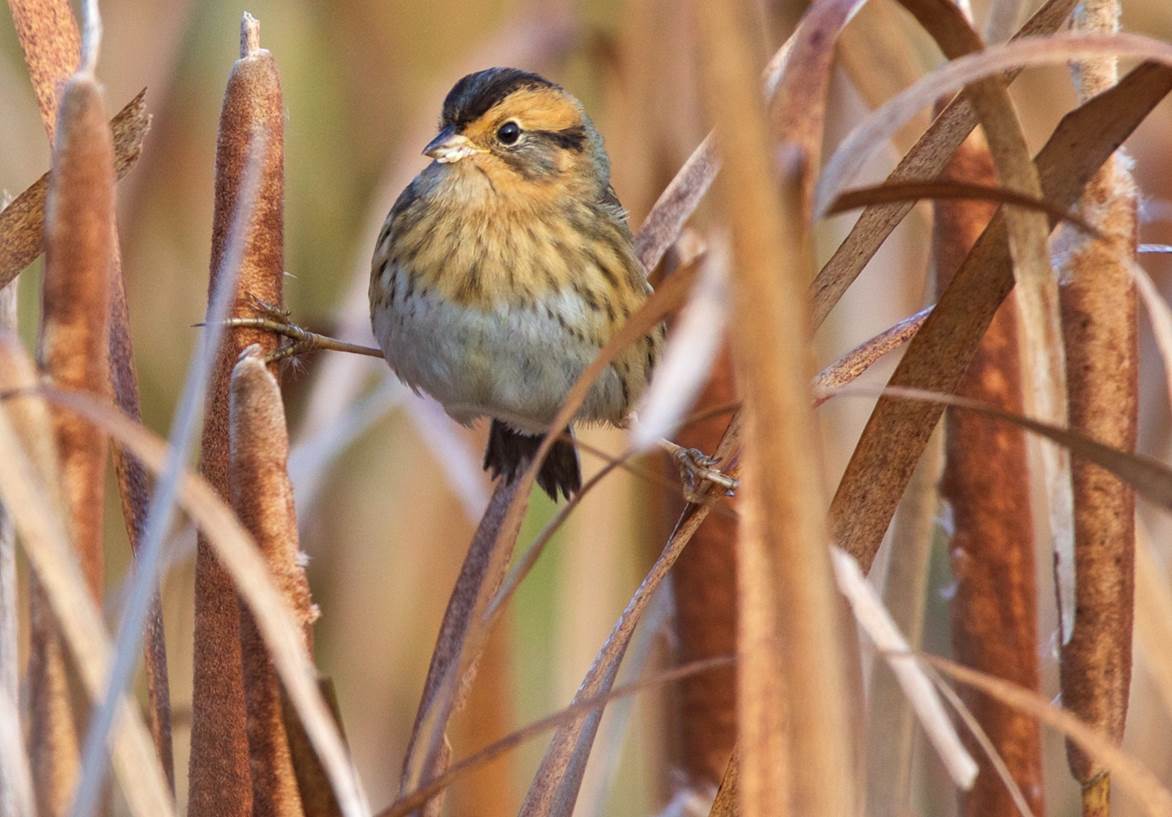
[[475, 93]]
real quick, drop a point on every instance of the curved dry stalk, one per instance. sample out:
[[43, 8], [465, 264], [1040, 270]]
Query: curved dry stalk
[[220, 777]]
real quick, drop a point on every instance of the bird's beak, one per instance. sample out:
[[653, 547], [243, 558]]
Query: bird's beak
[[449, 146]]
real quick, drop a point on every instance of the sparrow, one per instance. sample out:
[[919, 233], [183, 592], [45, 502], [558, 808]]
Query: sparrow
[[505, 266]]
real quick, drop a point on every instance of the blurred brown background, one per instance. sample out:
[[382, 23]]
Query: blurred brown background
[[390, 515]]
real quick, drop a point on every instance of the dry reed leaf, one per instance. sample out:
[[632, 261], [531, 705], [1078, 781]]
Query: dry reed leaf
[[555, 786], [219, 769], [263, 500], [1150, 477], [859, 516], [51, 42], [1032, 51], [454, 655], [79, 240], [237, 551], [726, 803], [15, 783], [786, 594], [986, 484], [412, 801], [313, 784], [854, 363], [690, 352], [1099, 322], [924, 161], [35, 506], [942, 349], [22, 222], [950, 190], [1149, 794], [876, 622]]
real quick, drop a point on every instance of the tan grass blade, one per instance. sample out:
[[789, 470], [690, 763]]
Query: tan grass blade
[[941, 350], [986, 485], [46, 542], [22, 222], [1100, 326], [1153, 615], [952, 189], [263, 499], [220, 778], [237, 551], [785, 588]]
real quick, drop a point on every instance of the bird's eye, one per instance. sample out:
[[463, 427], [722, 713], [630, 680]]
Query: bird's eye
[[508, 133]]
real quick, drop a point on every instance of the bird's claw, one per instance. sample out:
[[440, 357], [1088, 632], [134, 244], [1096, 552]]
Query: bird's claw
[[272, 318], [697, 470]]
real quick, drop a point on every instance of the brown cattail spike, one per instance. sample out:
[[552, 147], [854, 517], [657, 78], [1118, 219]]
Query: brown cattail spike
[[220, 776], [986, 480], [76, 297], [263, 499]]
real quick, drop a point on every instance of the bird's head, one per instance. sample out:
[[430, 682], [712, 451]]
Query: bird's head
[[518, 129]]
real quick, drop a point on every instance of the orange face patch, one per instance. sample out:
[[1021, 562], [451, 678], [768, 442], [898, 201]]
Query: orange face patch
[[534, 109]]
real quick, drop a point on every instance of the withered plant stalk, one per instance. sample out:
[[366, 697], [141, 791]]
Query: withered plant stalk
[[220, 776]]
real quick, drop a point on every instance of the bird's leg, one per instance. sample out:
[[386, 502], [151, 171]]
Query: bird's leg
[[274, 319], [696, 469]]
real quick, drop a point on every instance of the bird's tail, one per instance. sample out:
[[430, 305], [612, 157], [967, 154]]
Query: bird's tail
[[510, 452]]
